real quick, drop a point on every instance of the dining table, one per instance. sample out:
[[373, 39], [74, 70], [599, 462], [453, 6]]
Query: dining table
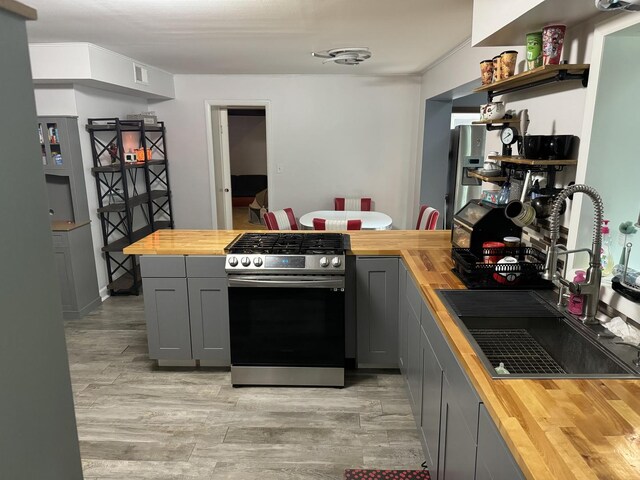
[[370, 220]]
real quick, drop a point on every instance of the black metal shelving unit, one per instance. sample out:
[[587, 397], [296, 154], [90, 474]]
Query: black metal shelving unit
[[134, 198]]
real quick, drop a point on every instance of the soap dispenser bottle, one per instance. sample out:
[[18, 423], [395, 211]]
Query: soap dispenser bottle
[[606, 260], [576, 301]]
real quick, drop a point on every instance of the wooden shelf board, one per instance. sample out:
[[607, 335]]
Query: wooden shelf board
[[484, 178], [133, 201], [118, 245], [529, 161], [162, 224], [126, 283], [123, 127], [115, 167], [540, 73], [63, 226], [497, 121]]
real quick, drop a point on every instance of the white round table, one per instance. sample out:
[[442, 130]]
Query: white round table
[[370, 220]]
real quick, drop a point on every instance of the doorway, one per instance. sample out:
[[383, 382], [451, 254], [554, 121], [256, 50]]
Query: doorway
[[442, 114], [239, 164]]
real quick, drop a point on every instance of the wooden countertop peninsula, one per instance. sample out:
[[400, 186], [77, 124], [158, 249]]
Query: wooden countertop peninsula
[[556, 429]]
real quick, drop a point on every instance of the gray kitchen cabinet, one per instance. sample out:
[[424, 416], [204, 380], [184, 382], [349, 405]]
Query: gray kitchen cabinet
[[209, 310], [414, 364], [76, 268], [209, 317], [69, 215], [457, 456], [413, 354], [166, 306], [377, 311], [495, 461], [431, 401], [459, 438], [402, 318]]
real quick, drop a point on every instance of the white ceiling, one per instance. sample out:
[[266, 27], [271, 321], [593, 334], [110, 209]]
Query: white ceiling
[[259, 36]]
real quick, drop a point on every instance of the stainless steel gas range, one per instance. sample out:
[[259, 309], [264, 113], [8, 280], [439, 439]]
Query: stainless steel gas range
[[287, 308]]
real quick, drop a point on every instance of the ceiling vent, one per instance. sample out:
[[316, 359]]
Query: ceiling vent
[[344, 56], [140, 74], [611, 5]]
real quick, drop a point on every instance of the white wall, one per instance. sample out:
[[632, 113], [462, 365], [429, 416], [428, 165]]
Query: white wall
[[56, 100], [91, 65], [332, 135], [86, 102], [248, 144]]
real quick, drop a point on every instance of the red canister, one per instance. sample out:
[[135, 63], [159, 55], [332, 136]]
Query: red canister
[[493, 258]]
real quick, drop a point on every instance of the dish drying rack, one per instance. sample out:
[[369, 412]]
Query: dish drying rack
[[475, 273], [620, 283]]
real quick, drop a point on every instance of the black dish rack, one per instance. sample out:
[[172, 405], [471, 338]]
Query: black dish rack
[[526, 274]]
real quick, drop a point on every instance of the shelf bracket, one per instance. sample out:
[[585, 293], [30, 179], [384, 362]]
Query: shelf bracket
[[560, 76]]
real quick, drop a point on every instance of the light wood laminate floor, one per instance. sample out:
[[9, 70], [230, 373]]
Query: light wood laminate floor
[[136, 421], [241, 220]]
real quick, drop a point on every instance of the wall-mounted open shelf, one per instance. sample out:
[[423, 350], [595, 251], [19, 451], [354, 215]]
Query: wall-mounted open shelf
[[485, 178], [532, 162], [538, 76], [497, 121]]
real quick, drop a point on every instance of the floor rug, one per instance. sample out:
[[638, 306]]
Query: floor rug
[[358, 474]]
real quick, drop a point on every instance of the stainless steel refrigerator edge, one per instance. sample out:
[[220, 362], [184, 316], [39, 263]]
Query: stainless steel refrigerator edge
[[467, 152]]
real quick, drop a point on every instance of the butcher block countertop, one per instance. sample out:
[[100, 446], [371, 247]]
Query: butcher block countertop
[[556, 429]]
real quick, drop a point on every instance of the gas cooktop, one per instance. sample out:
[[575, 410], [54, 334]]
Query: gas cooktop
[[287, 253], [290, 243]]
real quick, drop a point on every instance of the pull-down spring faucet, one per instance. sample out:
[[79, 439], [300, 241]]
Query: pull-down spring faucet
[[591, 287]]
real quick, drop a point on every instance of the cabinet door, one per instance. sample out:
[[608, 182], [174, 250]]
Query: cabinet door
[[402, 318], [431, 401], [377, 311], [414, 364], [166, 308], [54, 143], [495, 461], [457, 457], [209, 316], [65, 277]]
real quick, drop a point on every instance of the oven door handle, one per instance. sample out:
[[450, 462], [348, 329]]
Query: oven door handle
[[282, 281]]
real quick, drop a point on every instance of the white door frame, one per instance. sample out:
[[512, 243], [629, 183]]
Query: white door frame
[[208, 105]]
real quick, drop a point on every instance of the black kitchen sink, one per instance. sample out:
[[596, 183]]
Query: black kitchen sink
[[531, 339]]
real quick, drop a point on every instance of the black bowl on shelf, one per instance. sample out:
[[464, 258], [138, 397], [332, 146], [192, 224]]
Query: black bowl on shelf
[[559, 146]]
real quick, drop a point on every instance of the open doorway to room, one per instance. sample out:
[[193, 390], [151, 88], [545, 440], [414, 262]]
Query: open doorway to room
[[240, 167]]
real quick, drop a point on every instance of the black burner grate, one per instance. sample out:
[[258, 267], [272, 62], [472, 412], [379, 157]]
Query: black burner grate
[[289, 243], [517, 350]]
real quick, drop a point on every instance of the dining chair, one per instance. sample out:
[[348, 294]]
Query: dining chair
[[281, 220], [324, 224], [427, 218], [354, 204]]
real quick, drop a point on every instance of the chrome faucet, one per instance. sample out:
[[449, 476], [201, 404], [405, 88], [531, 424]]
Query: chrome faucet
[[591, 287]]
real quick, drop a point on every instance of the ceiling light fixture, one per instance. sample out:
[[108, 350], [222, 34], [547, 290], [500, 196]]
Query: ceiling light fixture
[[611, 5], [344, 56]]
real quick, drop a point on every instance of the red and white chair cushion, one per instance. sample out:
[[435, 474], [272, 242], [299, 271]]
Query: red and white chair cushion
[[353, 204], [427, 218], [281, 220], [324, 224]]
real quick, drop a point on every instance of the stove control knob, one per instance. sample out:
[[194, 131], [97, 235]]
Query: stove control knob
[[324, 262], [246, 261], [257, 261], [336, 262], [233, 261]]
